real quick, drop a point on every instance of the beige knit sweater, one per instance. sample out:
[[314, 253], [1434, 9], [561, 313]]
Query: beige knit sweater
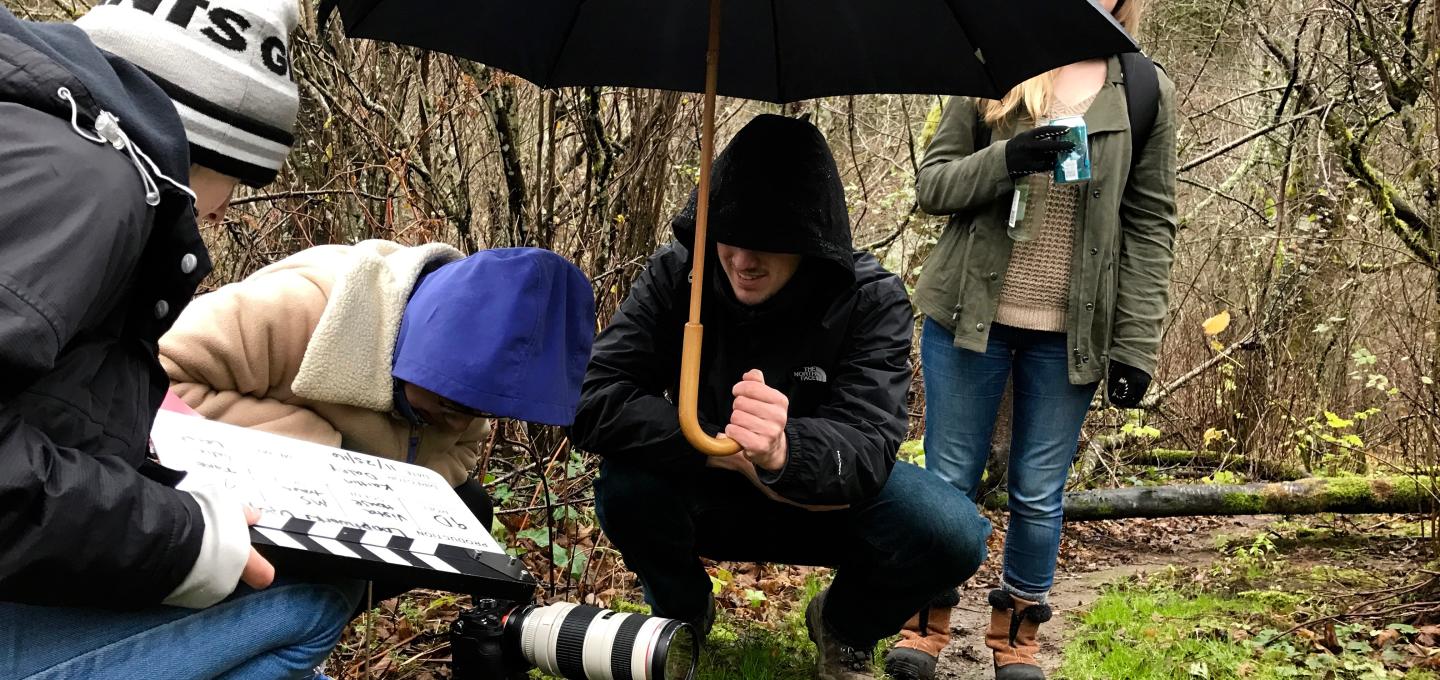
[[1036, 291]]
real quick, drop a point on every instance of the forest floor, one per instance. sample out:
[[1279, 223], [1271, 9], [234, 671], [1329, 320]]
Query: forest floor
[[1257, 597]]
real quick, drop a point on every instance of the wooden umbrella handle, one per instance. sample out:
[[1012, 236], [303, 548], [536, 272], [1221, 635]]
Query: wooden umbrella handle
[[689, 388], [694, 332]]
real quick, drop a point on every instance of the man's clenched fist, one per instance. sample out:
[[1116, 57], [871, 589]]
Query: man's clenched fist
[[758, 422]]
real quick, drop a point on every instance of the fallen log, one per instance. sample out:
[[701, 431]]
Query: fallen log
[[1173, 457], [1345, 495]]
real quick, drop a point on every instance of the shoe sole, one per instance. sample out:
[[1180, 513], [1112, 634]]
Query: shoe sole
[[905, 666]]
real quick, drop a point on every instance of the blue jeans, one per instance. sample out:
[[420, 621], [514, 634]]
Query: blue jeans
[[284, 631], [893, 553], [963, 390]]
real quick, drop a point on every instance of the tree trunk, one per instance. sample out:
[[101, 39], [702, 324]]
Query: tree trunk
[[498, 92], [997, 467], [1348, 495]]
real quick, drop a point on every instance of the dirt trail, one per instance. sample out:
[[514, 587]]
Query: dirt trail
[[967, 658]]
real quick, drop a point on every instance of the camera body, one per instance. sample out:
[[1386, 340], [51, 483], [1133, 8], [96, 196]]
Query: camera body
[[478, 644], [503, 640]]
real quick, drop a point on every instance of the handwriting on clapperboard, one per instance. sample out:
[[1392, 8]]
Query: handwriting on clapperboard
[[204, 445], [326, 519], [351, 472], [378, 486], [450, 522], [362, 460]]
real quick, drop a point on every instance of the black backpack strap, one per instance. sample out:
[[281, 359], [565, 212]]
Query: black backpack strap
[[1142, 99]]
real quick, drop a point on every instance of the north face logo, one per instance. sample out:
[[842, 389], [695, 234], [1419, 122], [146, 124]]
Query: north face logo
[[810, 374]]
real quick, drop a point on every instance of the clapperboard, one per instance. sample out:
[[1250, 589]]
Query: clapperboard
[[330, 511]]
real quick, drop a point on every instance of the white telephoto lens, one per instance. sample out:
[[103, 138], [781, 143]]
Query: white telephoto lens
[[585, 643], [600, 645], [547, 632], [645, 643]]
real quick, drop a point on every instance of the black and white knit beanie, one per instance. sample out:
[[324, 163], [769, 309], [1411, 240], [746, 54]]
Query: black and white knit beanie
[[225, 65]]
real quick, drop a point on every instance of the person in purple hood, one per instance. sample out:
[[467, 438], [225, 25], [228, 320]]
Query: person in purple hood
[[399, 352]]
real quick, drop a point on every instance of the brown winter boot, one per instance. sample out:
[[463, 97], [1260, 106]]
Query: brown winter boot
[[1014, 625], [922, 640]]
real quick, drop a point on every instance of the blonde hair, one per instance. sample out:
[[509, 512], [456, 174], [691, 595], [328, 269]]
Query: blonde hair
[[1036, 92]]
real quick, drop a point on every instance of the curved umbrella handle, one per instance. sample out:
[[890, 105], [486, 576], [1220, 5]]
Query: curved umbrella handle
[[694, 332], [689, 389]]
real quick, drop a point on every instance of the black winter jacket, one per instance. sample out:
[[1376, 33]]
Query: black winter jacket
[[835, 340], [90, 276]]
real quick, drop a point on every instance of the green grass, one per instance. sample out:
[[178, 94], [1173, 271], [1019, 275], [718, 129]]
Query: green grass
[[1157, 636], [742, 649], [781, 650], [1164, 633]]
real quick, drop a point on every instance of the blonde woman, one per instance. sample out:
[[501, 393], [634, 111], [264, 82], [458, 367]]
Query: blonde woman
[[1080, 300]]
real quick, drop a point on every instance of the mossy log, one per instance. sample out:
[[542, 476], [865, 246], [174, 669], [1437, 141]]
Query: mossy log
[[1173, 457], [1346, 495]]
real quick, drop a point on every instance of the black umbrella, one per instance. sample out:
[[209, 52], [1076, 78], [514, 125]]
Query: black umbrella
[[774, 50]]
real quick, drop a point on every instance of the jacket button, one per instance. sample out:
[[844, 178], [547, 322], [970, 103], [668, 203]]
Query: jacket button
[[1094, 251], [1096, 194], [188, 262], [161, 309], [994, 276], [1089, 306], [1085, 359], [979, 327]]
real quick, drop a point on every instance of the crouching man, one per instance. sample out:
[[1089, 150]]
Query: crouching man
[[805, 366]]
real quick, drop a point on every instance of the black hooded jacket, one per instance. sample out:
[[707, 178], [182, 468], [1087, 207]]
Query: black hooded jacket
[[835, 340], [91, 274]]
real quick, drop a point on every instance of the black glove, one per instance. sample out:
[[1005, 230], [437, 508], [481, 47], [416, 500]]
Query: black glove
[[1126, 384], [1035, 150]]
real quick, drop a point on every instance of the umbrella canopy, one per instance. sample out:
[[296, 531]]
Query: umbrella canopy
[[772, 50]]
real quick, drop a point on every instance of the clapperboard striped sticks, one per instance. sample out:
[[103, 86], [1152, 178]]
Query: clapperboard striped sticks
[[300, 534], [304, 545]]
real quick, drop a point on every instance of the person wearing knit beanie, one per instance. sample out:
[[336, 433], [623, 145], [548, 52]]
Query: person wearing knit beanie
[[226, 66], [118, 133]]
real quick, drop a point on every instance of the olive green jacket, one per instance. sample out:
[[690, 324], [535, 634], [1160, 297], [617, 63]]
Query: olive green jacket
[[1124, 236]]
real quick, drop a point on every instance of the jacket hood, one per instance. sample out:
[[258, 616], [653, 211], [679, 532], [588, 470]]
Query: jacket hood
[[775, 188], [347, 358], [55, 69], [98, 80], [505, 331]]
